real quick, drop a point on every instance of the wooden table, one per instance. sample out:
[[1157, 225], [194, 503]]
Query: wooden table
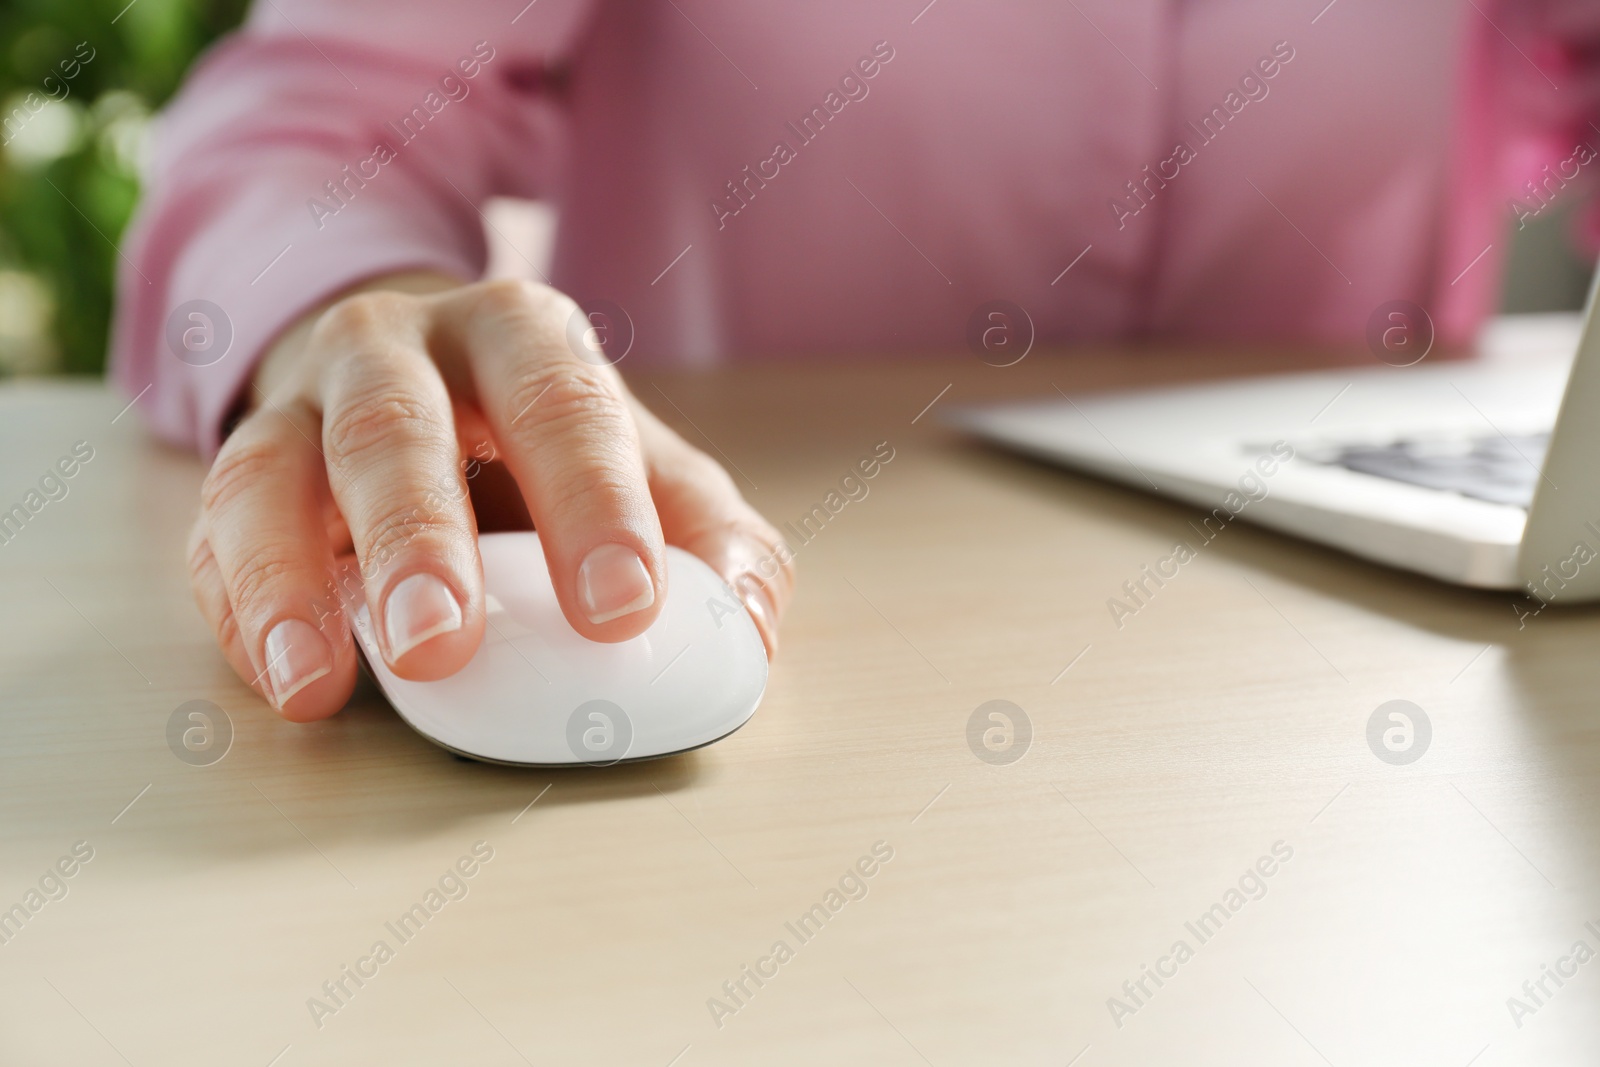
[[1168, 760]]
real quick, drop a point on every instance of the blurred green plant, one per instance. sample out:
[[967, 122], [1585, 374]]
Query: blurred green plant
[[79, 80]]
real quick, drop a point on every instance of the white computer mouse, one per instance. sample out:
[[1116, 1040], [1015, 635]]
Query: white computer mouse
[[537, 693]]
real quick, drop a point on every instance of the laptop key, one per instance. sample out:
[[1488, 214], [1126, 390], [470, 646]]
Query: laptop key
[[1500, 470]]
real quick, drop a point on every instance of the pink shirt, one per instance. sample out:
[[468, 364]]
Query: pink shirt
[[761, 180]]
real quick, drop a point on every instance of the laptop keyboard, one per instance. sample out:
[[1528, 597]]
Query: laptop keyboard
[[1499, 469]]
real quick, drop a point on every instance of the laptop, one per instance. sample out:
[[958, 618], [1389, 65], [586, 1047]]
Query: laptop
[[1483, 473]]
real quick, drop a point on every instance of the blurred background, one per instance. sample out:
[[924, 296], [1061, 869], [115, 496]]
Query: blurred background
[[79, 81], [76, 94]]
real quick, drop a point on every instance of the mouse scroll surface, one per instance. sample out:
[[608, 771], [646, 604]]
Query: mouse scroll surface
[[537, 692]]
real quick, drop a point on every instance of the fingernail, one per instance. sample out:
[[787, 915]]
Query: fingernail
[[296, 656], [420, 607], [758, 602], [613, 582]]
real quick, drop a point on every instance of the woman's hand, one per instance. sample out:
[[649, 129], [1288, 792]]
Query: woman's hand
[[361, 422]]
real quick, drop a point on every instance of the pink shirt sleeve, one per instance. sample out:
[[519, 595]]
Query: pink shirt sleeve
[[333, 140], [323, 144]]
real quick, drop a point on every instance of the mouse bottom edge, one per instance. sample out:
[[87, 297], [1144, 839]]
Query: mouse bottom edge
[[471, 757]]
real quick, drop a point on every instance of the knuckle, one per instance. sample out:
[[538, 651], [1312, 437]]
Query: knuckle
[[384, 539], [197, 549], [534, 314], [201, 562], [380, 415], [561, 399], [240, 467], [514, 295], [361, 314], [256, 586], [205, 580], [601, 480], [227, 627]]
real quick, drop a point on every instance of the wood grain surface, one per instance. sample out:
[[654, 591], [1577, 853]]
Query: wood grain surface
[[1199, 774]]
